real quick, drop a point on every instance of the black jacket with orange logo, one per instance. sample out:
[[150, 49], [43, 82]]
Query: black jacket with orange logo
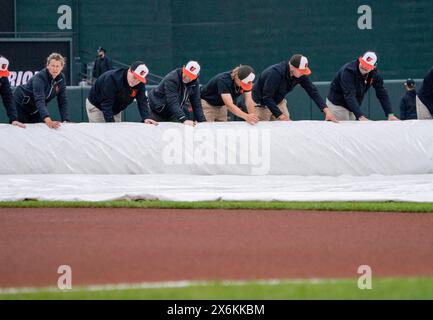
[[34, 96], [171, 96], [275, 82], [349, 87], [112, 94]]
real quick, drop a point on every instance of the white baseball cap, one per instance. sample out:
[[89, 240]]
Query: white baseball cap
[[300, 62], [4, 64], [368, 60], [246, 76], [192, 69], [140, 71]]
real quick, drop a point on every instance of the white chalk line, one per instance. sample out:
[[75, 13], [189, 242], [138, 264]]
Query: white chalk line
[[166, 284]]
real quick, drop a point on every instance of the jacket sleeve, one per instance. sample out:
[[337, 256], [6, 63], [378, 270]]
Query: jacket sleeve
[[403, 108], [349, 91], [108, 91], [382, 95], [428, 83], [312, 91], [196, 104], [143, 104], [62, 101], [172, 98], [39, 97], [269, 87], [8, 101]]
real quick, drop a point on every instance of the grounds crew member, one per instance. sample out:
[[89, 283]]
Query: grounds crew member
[[408, 101], [424, 98], [177, 97], [31, 99], [6, 93], [115, 90], [350, 85], [221, 92], [276, 81], [102, 63]]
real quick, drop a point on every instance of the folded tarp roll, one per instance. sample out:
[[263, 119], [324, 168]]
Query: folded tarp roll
[[309, 148]]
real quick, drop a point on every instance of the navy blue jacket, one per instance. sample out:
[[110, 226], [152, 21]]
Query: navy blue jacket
[[34, 96], [275, 82], [8, 99], [349, 87], [408, 106], [112, 94], [101, 66], [220, 84], [171, 94], [425, 92]]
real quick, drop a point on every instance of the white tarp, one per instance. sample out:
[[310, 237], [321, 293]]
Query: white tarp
[[417, 188], [287, 161], [307, 148]]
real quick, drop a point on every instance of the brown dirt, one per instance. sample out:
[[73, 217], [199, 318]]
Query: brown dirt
[[142, 245]]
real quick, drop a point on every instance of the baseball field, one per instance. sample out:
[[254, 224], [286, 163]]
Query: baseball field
[[216, 250], [215, 150]]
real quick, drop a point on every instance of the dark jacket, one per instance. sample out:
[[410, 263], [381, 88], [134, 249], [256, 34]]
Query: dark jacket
[[8, 99], [425, 92], [275, 82], [34, 96], [101, 65], [220, 84], [112, 94], [408, 106], [349, 87], [171, 95]]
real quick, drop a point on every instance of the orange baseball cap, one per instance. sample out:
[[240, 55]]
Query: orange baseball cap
[[4, 64]]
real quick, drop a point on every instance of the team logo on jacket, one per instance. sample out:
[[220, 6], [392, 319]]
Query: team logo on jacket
[[57, 88], [133, 93]]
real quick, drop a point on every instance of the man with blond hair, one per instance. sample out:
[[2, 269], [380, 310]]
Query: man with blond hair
[[33, 97]]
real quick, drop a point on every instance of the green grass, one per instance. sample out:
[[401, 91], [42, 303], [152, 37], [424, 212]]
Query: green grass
[[383, 288], [275, 205]]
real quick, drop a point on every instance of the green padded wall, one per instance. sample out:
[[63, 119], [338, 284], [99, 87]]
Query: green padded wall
[[222, 34]]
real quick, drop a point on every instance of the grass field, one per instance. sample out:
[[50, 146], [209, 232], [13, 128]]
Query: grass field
[[383, 288], [254, 205]]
